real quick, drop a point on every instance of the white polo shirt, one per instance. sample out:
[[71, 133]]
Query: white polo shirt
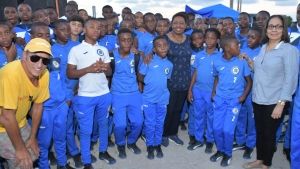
[[84, 55]]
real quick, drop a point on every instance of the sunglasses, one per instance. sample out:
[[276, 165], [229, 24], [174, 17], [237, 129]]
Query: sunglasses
[[36, 58]]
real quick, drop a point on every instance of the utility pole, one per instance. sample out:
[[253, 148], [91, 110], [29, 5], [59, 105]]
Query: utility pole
[[238, 6], [231, 3], [241, 1]]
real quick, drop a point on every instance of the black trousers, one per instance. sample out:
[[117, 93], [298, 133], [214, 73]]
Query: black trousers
[[174, 109], [266, 128]]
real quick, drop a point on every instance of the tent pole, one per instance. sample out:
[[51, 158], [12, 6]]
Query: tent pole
[[57, 8]]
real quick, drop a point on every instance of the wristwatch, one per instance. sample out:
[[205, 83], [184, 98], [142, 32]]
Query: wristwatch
[[281, 102]]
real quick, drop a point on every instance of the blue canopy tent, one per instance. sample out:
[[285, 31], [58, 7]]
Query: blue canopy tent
[[217, 11]]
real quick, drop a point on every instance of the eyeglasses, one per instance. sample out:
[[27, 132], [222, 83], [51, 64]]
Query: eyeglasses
[[277, 27], [36, 58]]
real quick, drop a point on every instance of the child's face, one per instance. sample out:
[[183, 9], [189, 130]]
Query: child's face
[[41, 16], [52, 15], [70, 11], [107, 13], [243, 21], [103, 28], [138, 19], [161, 47], [63, 32], [83, 14], [110, 26], [150, 23], [126, 41], [92, 29], [12, 31], [11, 14], [233, 47], [203, 27], [253, 39], [24, 12], [127, 24], [261, 19], [228, 26], [198, 40], [5, 36], [211, 40], [162, 27], [76, 27], [129, 17], [41, 32]]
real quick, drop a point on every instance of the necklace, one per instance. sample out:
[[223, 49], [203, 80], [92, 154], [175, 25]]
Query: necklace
[[178, 39]]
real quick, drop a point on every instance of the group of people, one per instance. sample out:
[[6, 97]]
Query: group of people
[[94, 77]]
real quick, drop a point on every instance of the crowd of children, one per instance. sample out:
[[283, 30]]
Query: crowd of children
[[110, 78]]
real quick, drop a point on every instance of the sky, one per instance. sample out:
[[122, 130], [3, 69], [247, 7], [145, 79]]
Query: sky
[[169, 7]]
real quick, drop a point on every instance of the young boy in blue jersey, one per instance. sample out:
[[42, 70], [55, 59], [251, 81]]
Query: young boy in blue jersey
[[8, 50], [22, 28], [156, 95], [61, 50], [126, 98], [162, 27], [241, 33], [229, 26], [129, 25], [246, 116], [105, 40], [53, 121], [90, 63], [229, 92], [199, 93]]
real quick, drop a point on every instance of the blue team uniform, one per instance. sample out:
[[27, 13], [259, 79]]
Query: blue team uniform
[[138, 33], [230, 87], [146, 43], [202, 90], [3, 58], [246, 116], [22, 31], [108, 42], [155, 97], [295, 127], [242, 39], [126, 98]]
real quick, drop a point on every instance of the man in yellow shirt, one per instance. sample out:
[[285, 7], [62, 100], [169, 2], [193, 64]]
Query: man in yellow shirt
[[23, 86]]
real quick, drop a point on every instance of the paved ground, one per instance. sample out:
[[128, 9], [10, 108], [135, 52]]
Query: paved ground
[[178, 157]]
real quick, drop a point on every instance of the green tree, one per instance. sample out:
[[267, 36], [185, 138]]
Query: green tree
[[288, 19]]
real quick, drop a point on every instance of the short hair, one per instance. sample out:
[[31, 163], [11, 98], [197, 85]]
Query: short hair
[[164, 19], [158, 14], [191, 13], [101, 19], [36, 24], [77, 18], [245, 13], [23, 3], [146, 14], [106, 6], [126, 20], [197, 31], [159, 37], [10, 5], [82, 10], [257, 29], [3, 22], [37, 9], [58, 22], [214, 30], [129, 14], [228, 17], [71, 5], [124, 30], [90, 19], [127, 8], [266, 12], [181, 14], [226, 39], [51, 7], [285, 35]]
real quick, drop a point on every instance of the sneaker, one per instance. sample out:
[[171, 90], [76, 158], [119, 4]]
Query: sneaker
[[216, 156], [69, 156], [121, 152], [195, 145], [110, 142], [159, 153], [134, 148], [186, 121], [93, 144], [182, 126], [150, 152], [143, 137], [208, 149], [287, 152], [192, 139], [226, 160], [238, 147], [106, 157], [52, 159], [176, 140], [67, 166], [281, 138], [165, 141], [93, 158], [248, 153], [77, 160], [88, 166]]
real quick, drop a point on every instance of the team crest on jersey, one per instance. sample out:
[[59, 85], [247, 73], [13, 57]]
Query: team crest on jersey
[[132, 63], [55, 64], [167, 71], [19, 57], [193, 59], [100, 52], [235, 110], [235, 70]]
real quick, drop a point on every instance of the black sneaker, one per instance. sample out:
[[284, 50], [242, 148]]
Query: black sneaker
[[69, 156], [134, 148], [226, 160], [216, 156], [208, 149], [110, 142], [77, 160], [93, 158], [52, 159], [192, 139], [281, 138], [195, 145], [186, 121], [287, 152], [238, 147], [150, 152], [93, 144], [143, 137], [67, 166], [165, 141], [88, 166], [248, 153], [176, 140], [159, 153], [121, 152], [182, 126], [106, 157]]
